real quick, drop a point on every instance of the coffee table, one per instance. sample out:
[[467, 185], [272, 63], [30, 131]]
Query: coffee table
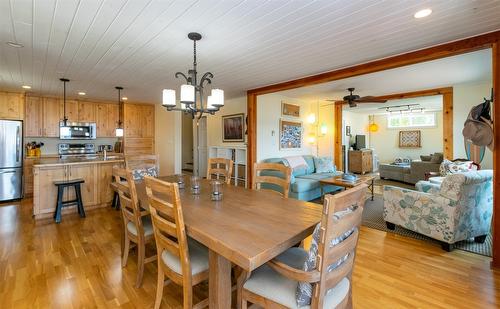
[[338, 181]]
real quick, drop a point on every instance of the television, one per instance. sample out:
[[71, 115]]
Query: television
[[360, 142]]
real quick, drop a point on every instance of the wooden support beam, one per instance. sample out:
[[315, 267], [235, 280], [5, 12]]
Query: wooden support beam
[[252, 135], [337, 135]]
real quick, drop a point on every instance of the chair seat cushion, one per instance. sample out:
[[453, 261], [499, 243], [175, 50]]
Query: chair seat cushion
[[268, 283], [198, 254], [146, 224]]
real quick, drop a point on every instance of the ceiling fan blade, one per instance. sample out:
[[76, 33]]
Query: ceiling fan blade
[[370, 99]]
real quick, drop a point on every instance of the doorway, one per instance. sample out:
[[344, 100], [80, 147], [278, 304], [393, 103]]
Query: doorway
[[187, 144]]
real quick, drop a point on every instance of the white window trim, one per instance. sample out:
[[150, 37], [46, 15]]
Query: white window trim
[[411, 126]]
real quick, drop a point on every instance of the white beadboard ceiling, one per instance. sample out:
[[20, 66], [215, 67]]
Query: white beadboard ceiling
[[474, 67], [140, 44]]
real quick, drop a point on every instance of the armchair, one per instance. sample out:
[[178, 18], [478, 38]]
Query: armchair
[[460, 208]]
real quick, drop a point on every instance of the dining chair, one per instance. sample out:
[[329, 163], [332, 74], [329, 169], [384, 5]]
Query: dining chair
[[182, 259], [220, 166], [322, 277], [142, 165], [275, 177], [137, 225]]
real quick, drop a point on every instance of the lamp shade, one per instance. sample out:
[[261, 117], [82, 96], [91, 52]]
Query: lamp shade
[[210, 103], [323, 128], [119, 132], [187, 94], [311, 118], [218, 97], [168, 97], [373, 127]]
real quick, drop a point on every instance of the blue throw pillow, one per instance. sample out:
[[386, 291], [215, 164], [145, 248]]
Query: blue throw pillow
[[304, 289], [324, 165]]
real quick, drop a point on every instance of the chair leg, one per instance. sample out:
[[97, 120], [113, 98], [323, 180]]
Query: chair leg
[[480, 239], [141, 248], [57, 215], [159, 287], [126, 249], [78, 191], [242, 277], [390, 226], [446, 246]]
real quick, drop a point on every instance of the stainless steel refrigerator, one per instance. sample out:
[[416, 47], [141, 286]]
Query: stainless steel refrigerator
[[11, 159]]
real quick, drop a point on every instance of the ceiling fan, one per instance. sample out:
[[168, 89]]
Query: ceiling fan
[[352, 99]]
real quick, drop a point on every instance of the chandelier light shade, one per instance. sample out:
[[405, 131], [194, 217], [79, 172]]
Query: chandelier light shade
[[192, 96], [168, 97]]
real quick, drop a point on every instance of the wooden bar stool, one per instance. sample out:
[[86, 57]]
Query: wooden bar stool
[[61, 185]]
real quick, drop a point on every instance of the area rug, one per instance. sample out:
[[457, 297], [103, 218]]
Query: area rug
[[373, 218]]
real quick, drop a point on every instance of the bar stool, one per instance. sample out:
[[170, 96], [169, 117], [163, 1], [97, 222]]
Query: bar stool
[[61, 185]]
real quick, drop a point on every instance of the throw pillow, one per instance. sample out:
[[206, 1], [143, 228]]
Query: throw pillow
[[426, 158], [324, 165], [296, 162], [437, 157], [448, 167], [304, 289], [139, 173]]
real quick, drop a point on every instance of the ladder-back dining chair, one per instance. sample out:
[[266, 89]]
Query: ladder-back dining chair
[[320, 278], [220, 167], [181, 259], [272, 176], [136, 221], [142, 165]]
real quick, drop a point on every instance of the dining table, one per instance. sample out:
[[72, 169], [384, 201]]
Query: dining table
[[246, 228]]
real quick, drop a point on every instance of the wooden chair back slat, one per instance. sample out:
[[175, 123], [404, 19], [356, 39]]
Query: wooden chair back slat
[[129, 201], [168, 221], [283, 183], [332, 228], [133, 162], [220, 167]]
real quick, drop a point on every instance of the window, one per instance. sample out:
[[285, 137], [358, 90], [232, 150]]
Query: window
[[411, 120]]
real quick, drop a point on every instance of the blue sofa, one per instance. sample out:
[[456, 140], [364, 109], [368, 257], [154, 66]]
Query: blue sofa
[[305, 181]]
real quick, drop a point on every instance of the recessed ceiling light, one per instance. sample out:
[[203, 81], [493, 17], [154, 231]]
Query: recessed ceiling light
[[15, 44], [124, 98], [423, 13], [81, 93], [26, 87]]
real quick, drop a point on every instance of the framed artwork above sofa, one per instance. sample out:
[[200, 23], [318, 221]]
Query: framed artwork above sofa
[[409, 139]]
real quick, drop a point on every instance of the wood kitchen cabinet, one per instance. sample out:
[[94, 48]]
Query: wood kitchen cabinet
[[72, 111], [28, 178], [104, 190], [139, 128], [45, 193], [132, 124], [33, 119], [87, 111], [11, 105], [106, 119], [89, 188], [52, 115], [148, 121]]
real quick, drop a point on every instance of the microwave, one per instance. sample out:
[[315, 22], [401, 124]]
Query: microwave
[[77, 130]]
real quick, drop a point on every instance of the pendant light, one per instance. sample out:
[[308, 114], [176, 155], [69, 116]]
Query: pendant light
[[65, 119], [119, 129], [373, 126]]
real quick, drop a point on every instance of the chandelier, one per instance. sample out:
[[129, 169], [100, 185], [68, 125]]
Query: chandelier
[[192, 92]]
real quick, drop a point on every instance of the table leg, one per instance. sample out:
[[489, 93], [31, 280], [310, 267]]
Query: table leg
[[322, 192], [372, 188], [219, 281]]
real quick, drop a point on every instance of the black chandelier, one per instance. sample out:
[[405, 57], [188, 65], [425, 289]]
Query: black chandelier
[[191, 98]]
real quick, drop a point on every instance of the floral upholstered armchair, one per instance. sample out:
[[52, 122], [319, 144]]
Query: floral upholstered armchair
[[458, 209]]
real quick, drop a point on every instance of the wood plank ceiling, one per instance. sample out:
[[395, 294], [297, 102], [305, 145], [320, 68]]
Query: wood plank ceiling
[[140, 44]]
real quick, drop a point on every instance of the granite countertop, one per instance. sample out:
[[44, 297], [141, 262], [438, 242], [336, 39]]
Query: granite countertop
[[48, 161]]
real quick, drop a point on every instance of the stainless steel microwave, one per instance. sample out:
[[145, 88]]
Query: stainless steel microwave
[[77, 130]]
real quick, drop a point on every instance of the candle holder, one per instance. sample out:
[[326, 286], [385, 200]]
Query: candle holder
[[180, 181], [195, 185], [217, 193]]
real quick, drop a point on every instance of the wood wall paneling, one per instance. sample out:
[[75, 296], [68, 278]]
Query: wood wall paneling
[[252, 134], [337, 136]]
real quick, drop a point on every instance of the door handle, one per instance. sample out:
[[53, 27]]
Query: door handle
[[7, 172], [18, 144]]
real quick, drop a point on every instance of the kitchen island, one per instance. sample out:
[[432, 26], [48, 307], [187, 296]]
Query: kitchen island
[[96, 191]]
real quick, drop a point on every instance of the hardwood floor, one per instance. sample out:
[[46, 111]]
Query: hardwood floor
[[77, 264]]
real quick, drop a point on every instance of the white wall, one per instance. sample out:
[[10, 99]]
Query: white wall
[[464, 98], [268, 123], [326, 115], [168, 140], [386, 141], [214, 122], [359, 126]]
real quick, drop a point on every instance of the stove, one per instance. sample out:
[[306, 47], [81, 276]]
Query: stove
[[67, 150]]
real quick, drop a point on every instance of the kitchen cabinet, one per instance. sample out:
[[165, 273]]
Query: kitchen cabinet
[[28, 177], [72, 111], [139, 127], [87, 111], [52, 115], [96, 191], [148, 121], [33, 120], [132, 124], [11, 105], [106, 119]]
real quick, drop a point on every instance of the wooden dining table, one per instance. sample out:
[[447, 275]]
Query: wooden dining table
[[247, 228]]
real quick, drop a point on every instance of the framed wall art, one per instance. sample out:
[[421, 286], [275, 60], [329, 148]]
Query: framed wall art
[[290, 134], [409, 139], [233, 128], [288, 109]]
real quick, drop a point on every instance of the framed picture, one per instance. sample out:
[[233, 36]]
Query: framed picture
[[288, 109], [409, 139], [290, 134], [232, 128]]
